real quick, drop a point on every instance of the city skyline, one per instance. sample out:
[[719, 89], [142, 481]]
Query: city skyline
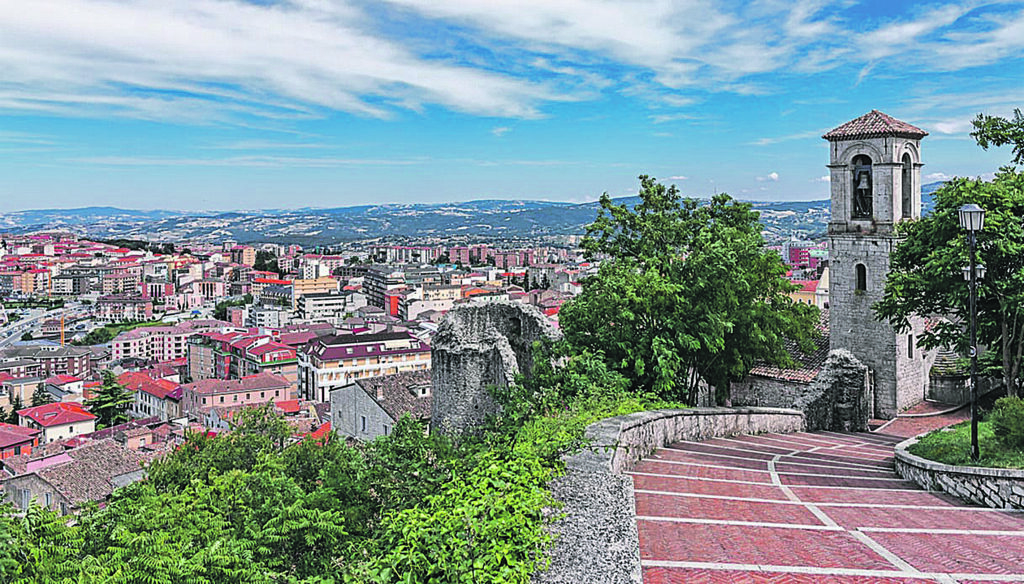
[[218, 105]]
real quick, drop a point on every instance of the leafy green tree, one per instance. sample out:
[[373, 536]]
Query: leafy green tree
[[26, 337], [111, 403], [689, 292], [41, 397], [266, 261], [997, 131], [926, 272]]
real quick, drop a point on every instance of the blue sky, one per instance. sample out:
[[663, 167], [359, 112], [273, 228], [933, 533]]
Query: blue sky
[[218, 104]]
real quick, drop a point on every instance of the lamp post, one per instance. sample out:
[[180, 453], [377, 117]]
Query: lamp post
[[972, 219]]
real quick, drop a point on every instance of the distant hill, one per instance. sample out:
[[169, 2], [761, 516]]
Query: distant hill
[[489, 219]]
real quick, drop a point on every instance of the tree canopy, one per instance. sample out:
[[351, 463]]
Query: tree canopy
[[111, 402], [926, 272], [998, 131], [689, 292]]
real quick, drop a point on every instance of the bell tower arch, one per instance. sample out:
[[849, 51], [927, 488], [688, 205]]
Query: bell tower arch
[[875, 170]]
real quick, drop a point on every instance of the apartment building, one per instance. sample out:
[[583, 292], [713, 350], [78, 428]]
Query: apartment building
[[330, 362]]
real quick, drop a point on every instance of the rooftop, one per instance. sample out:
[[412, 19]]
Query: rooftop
[[57, 414], [874, 124]]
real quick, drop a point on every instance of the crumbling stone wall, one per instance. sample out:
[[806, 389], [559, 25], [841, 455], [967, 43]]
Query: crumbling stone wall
[[838, 398], [476, 345]]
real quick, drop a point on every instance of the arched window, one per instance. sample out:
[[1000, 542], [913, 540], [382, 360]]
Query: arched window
[[908, 186], [862, 277], [862, 191]]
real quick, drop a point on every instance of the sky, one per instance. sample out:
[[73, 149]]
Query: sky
[[233, 104]]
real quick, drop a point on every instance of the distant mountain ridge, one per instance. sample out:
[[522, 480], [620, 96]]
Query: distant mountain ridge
[[493, 219]]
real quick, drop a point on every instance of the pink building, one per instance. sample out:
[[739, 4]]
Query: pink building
[[199, 397]]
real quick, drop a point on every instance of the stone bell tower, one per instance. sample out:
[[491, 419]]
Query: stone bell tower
[[875, 164]]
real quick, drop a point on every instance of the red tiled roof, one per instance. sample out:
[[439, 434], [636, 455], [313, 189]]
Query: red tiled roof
[[290, 406], [62, 379], [806, 285], [875, 124], [249, 383], [11, 435], [56, 414], [320, 433]]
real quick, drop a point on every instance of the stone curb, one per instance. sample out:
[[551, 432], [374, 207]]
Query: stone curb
[[998, 488], [597, 538]]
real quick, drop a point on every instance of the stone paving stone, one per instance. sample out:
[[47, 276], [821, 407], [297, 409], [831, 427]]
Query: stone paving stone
[[861, 462], [701, 508], [700, 576], [756, 446], [955, 553], [953, 518], [700, 487], [709, 472], [696, 542]]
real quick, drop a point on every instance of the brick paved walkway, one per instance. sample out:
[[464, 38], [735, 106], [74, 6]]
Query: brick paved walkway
[[822, 508]]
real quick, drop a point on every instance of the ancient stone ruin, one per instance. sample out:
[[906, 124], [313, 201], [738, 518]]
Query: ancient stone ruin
[[478, 345], [839, 398]]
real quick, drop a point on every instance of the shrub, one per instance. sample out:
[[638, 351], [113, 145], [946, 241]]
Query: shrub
[[1008, 421]]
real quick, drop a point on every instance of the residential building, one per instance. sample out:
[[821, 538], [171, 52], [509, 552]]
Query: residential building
[[330, 362], [15, 440], [120, 308], [370, 407], [58, 421], [160, 343], [243, 254], [380, 279], [199, 397], [65, 482]]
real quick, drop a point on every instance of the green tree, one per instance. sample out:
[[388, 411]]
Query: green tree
[[926, 273], [26, 337], [689, 292], [41, 397], [997, 131], [266, 261], [111, 403]]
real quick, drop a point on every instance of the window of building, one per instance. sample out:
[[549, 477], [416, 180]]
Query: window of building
[[234, 397], [385, 429], [277, 393], [862, 277], [263, 394], [362, 423], [910, 346], [49, 499], [908, 186], [221, 399]]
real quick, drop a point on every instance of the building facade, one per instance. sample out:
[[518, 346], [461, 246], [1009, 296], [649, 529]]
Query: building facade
[[331, 362]]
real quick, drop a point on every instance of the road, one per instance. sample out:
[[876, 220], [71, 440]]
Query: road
[[13, 332]]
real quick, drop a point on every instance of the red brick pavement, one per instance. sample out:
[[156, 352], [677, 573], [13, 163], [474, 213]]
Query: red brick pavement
[[809, 508]]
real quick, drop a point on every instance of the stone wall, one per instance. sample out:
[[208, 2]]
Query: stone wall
[[838, 398], [476, 345], [596, 539], [999, 488]]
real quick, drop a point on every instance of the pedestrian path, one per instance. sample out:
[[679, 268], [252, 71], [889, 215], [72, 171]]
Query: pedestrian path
[[822, 508]]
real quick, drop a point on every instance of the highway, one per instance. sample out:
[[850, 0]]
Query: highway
[[13, 332]]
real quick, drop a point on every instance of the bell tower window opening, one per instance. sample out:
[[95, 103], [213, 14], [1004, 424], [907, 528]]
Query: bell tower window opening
[[908, 187], [862, 191], [862, 277]]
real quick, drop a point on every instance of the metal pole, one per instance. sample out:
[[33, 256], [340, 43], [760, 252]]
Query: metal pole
[[972, 238]]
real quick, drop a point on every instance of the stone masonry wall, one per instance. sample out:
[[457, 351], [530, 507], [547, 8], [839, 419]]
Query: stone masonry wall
[[838, 398], [476, 345], [596, 538], [998, 488]]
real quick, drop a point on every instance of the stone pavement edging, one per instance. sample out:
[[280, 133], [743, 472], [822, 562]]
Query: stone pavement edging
[[999, 488], [596, 539]]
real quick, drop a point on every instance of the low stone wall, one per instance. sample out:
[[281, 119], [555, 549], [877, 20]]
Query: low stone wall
[[999, 488], [597, 536]]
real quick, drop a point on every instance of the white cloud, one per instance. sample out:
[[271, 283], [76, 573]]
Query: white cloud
[[203, 59], [500, 131], [678, 177], [937, 176], [770, 177], [822, 179]]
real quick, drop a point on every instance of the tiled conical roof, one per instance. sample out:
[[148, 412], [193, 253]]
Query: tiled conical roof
[[875, 124]]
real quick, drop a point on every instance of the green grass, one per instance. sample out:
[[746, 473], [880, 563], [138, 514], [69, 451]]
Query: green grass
[[952, 446]]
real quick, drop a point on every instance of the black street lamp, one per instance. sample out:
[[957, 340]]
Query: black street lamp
[[972, 219]]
